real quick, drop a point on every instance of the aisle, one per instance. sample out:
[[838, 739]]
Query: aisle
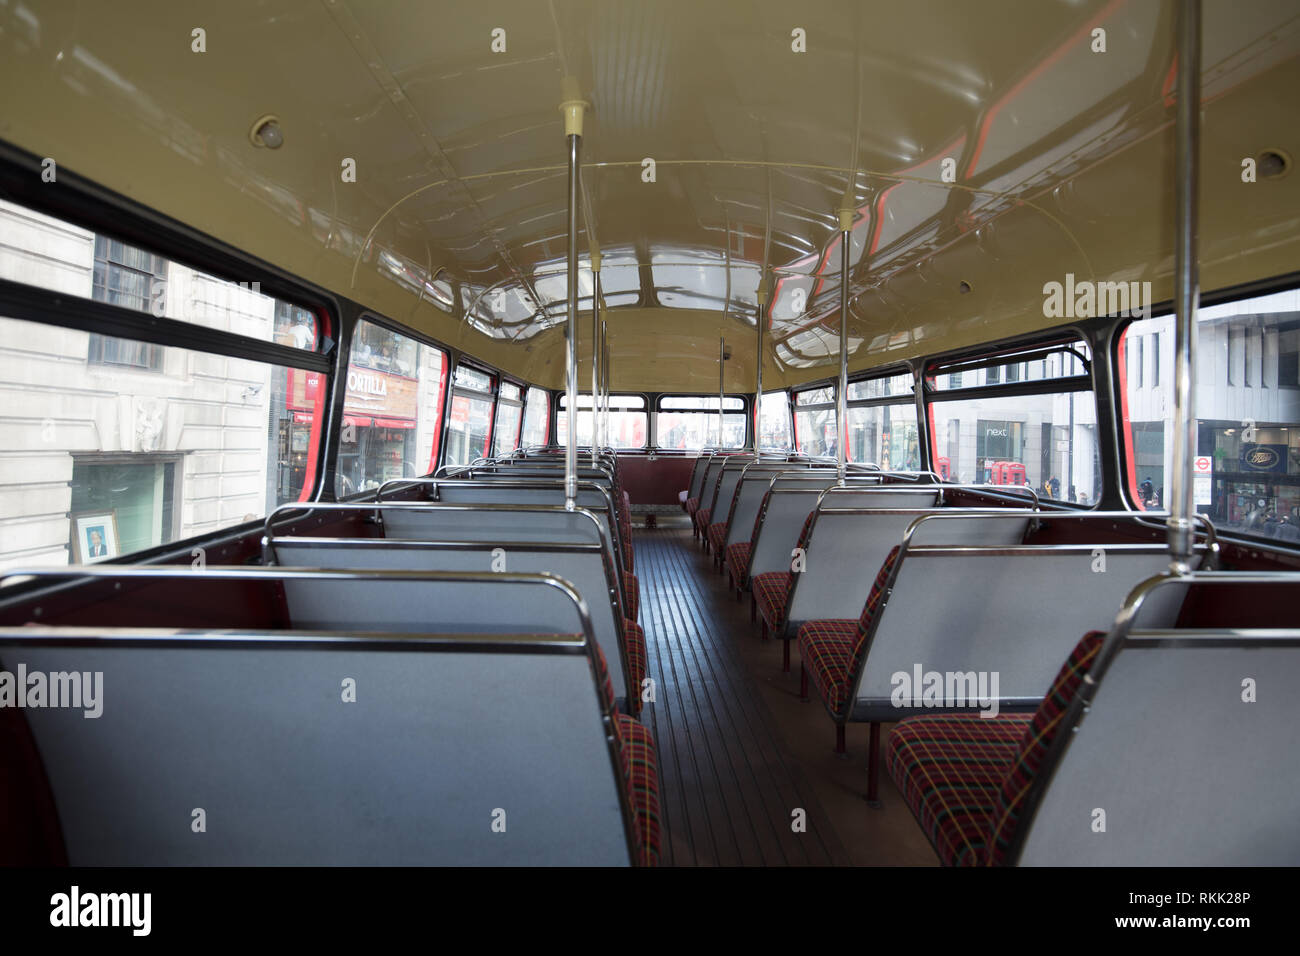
[[738, 751], [727, 788]]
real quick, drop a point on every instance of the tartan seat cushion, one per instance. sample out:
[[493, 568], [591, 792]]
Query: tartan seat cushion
[[634, 643], [966, 777], [629, 559], [1038, 740], [640, 768], [602, 678], [717, 535], [692, 505], [702, 516], [631, 596], [738, 561], [770, 589], [950, 769], [826, 647]]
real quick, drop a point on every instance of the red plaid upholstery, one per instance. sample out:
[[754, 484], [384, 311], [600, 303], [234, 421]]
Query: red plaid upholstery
[[773, 601], [631, 596], [1038, 738], [717, 535], [629, 561], [738, 554], [738, 562], [636, 750], [602, 677], [692, 505], [634, 644], [825, 647], [965, 777], [636, 754], [949, 769], [770, 589], [832, 650], [702, 516]]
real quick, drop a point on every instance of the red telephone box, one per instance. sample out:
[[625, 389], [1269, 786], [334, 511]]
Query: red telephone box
[[945, 468], [1014, 473]]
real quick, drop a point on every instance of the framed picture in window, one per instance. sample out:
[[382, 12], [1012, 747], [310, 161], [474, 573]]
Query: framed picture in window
[[94, 536]]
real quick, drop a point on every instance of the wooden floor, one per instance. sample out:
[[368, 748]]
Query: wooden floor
[[739, 755]]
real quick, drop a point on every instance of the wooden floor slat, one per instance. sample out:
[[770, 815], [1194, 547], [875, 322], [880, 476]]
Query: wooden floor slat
[[728, 786]]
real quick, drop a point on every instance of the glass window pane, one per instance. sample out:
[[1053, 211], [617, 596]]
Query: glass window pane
[[627, 428], [700, 402], [815, 396], [815, 431], [1058, 362], [79, 262], [509, 392], [506, 431], [468, 427], [392, 410], [536, 415], [882, 387], [1047, 441], [467, 377], [615, 401], [775, 432], [885, 435], [1247, 411], [689, 430], [103, 460]]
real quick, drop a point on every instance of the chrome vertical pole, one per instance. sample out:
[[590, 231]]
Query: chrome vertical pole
[[605, 383], [761, 320], [1182, 534], [841, 391], [595, 350], [722, 358], [573, 109]]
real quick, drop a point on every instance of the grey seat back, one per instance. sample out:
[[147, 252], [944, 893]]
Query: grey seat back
[[847, 547], [448, 521], [783, 518], [728, 480], [588, 567], [1185, 754], [710, 482], [446, 736], [595, 499], [1010, 612], [698, 471], [751, 488]]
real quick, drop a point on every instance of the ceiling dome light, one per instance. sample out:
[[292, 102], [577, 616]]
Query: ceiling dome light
[[266, 132]]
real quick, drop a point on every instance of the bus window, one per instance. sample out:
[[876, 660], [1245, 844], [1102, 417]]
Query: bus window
[[1247, 404], [882, 423], [470, 425], [392, 410], [775, 434], [1026, 419], [627, 421], [510, 409], [117, 445], [691, 421], [537, 413], [814, 420]]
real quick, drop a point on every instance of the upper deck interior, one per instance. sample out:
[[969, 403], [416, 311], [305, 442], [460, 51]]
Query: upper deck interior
[[285, 480]]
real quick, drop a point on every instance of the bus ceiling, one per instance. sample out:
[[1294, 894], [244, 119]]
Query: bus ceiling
[[999, 174]]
